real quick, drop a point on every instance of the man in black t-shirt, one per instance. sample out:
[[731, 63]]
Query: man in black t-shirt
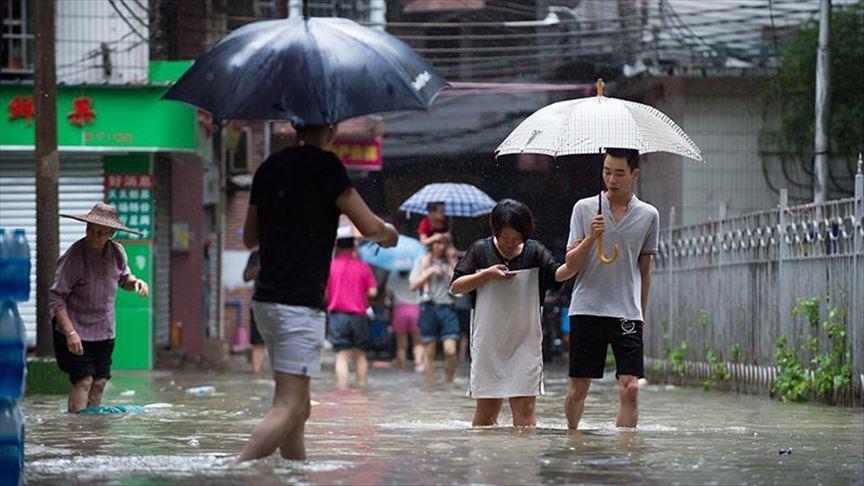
[[297, 197]]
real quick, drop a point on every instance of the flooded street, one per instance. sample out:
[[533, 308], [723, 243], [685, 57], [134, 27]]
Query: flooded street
[[400, 430]]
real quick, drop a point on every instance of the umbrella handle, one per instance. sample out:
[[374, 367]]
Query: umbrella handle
[[600, 256]]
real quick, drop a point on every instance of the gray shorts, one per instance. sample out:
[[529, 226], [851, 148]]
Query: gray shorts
[[294, 336]]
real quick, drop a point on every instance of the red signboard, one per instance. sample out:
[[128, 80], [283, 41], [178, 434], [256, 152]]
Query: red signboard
[[360, 154]]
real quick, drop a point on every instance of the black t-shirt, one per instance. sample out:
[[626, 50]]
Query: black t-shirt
[[295, 191], [483, 254]]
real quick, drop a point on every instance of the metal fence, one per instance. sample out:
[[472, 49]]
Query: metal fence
[[732, 283]]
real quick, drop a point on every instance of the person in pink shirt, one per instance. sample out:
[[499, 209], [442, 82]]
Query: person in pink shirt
[[349, 288]]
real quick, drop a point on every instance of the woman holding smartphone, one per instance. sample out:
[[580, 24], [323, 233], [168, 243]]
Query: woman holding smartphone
[[507, 275]]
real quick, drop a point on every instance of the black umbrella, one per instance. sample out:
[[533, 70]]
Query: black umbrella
[[308, 70]]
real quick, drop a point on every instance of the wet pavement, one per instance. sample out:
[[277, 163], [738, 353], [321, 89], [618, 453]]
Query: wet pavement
[[402, 430]]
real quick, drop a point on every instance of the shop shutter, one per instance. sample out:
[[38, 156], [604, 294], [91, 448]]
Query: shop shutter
[[81, 185]]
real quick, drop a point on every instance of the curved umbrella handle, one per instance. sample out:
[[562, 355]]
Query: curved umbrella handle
[[600, 256]]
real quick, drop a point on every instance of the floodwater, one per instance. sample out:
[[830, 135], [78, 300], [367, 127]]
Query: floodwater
[[401, 430]]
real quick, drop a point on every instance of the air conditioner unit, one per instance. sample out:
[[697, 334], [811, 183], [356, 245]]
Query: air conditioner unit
[[237, 149]]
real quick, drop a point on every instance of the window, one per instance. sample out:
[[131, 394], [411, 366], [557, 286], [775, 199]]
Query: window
[[17, 44]]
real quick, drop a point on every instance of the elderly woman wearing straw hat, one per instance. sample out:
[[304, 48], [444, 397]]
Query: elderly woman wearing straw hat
[[82, 304]]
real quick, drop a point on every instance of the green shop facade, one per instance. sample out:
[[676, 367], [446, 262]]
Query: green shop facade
[[116, 145]]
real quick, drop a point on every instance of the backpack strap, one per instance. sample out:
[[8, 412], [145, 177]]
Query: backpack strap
[[486, 254]]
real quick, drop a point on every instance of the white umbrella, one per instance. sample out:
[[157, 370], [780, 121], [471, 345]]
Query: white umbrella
[[590, 125], [460, 200]]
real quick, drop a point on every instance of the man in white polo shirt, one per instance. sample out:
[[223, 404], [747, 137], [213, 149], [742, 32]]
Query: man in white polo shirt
[[610, 301]]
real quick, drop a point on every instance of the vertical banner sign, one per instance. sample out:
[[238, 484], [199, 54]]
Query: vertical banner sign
[[132, 195]]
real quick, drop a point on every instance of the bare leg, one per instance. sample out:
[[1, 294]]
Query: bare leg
[[450, 360], [341, 367], [418, 349], [79, 393], [279, 428], [362, 366], [628, 391], [487, 411], [259, 352], [94, 398], [401, 349], [523, 410], [574, 405], [463, 348], [293, 446], [429, 354]]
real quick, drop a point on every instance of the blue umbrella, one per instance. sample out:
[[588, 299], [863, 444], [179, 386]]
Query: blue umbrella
[[462, 200], [312, 71], [400, 257]]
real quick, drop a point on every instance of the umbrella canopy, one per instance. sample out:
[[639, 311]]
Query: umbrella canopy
[[462, 200], [400, 257], [311, 71], [589, 125]]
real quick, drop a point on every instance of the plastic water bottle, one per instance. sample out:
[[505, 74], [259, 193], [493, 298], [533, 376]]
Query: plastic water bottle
[[13, 353], [19, 266], [11, 445], [5, 291]]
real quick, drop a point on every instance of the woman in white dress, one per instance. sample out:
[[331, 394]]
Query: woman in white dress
[[507, 275]]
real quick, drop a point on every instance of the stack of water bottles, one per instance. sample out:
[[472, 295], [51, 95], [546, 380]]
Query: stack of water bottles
[[14, 287]]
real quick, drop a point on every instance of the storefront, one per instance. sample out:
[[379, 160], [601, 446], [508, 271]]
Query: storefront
[[112, 141]]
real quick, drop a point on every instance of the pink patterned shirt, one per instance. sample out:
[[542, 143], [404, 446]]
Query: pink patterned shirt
[[86, 285]]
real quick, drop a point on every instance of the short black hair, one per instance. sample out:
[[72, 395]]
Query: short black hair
[[345, 243], [632, 156], [432, 206], [513, 214]]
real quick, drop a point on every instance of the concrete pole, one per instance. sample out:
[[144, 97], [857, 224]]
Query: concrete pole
[[823, 104], [782, 278], [47, 171]]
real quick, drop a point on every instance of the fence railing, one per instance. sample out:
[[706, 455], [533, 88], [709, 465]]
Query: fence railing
[[729, 286]]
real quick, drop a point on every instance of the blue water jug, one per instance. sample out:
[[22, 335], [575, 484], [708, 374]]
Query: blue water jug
[[19, 266], [13, 352], [11, 445], [5, 241]]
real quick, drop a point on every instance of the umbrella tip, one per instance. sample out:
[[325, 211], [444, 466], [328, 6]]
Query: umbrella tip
[[600, 87]]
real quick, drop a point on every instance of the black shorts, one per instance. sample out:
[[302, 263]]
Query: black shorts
[[348, 331], [95, 362], [590, 336], [254, 335]]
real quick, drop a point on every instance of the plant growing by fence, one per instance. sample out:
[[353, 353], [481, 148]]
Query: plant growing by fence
[[675, 357], [736, 353], [791, 384], [830, 371], [719, 370]]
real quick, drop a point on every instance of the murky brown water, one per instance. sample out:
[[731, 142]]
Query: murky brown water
[[400, 430]]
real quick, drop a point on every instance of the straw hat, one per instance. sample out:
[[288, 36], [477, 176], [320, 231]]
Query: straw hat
[[103, 215]]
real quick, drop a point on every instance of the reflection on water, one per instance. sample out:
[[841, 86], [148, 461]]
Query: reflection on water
[[400, 430]]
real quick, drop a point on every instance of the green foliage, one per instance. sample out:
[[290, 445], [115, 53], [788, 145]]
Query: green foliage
[[737, 354], [830, 371], [610, 358], [791, 384], [808, 309], [675, 357], [719, 370], [792, 92]]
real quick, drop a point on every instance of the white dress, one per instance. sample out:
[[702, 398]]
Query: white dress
[[506, 339]]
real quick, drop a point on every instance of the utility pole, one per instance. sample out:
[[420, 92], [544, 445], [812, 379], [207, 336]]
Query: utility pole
[[823, 104], [47, 171]]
